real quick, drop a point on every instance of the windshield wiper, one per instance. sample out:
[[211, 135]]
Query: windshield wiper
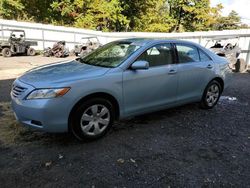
[[82, 60], [106, 66], [93, 64]]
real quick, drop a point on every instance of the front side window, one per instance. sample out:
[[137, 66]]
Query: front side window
[[187, 54], [158, 55], [110, 55]]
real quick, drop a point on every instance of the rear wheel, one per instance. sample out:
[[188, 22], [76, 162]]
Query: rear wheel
[[92, 119], [211, 95], [6, 52], [31, 52]]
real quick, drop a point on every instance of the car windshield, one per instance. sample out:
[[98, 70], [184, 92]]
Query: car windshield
[[110, 55]]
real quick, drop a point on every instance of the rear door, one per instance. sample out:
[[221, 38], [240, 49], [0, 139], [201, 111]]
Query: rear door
[[151, 89], [195, 71]]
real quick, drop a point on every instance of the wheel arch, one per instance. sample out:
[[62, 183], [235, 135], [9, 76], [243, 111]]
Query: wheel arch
[[221, 82], [102, 95]]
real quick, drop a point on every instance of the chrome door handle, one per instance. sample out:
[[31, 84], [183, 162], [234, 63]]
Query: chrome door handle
[[172, 71], [209, 66]]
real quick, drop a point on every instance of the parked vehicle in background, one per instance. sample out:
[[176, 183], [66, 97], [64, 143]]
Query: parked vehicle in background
[[87, 45], [58, 50], [118, 80], [17, 44], [228, 47]]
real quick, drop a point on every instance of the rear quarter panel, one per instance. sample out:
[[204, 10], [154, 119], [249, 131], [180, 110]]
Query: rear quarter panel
[[223, 71]]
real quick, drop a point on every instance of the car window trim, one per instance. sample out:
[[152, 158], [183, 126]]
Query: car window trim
[[152, 45], [188, 45], [210, 59]]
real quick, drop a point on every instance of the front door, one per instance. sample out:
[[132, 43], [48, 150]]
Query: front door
[[154, 88]]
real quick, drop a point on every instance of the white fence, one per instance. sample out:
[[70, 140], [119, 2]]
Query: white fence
[[46, 35]]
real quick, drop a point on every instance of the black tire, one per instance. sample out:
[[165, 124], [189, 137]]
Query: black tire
[[204, 101], [6, 52], [241, 65], [76, 116], [31, 52]]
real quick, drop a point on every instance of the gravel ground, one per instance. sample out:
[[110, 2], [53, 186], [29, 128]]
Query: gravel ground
[[180, 147]]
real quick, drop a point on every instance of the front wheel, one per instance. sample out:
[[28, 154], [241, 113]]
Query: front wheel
[[92, 119], [6, 52], [211, 95]]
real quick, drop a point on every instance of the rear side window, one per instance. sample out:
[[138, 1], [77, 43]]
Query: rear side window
[[158, 55], [203, 56], [187, 53]]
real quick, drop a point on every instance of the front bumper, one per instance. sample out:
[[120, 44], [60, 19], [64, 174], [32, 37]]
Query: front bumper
[[49, 115]]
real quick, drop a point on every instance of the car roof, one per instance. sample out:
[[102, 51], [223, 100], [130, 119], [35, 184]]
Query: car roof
[[148, 41], [154, 41]]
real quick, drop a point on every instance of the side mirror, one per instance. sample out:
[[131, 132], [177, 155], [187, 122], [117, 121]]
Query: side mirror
[[140, 65]]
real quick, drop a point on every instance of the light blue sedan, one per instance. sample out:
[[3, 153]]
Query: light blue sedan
[[121, 79]]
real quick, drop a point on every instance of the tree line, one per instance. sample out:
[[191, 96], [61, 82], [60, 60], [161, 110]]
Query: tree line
[[124, 15]]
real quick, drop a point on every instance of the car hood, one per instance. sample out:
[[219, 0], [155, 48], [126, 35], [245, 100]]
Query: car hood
[[61, 72]]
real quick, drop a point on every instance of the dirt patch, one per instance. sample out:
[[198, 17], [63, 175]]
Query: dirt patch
[[10, 129], [13, 133], [15, 66]]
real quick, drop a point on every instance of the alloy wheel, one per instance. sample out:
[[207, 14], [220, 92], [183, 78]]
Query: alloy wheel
[[213, 94], [95, 120]]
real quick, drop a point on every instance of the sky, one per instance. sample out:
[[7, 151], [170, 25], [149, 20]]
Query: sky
[[242, 7]]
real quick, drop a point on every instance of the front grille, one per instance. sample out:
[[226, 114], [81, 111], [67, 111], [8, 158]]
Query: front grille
[[17, 91]]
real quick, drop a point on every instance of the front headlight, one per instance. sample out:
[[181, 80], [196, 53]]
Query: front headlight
[[47, 93]]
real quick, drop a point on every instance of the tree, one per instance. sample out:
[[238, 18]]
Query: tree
[[123, 15], [65, 11], [156, 18], [191, 15], [133, 9], [148, 15], [232, 21], [38, 10], [92, 14], [11, 9]]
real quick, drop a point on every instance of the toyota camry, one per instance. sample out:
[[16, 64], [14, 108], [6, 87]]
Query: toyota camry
[[118, 80]]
